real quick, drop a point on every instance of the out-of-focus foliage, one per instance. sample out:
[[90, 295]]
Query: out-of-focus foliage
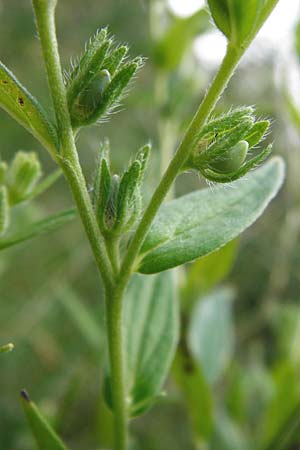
[[51, 308]]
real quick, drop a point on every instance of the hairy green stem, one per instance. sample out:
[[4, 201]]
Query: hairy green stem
[[217, 87], [68, 157], [114, 305]]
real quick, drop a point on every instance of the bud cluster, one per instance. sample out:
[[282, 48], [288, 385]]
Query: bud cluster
[[117, 200], [18, 182], [222, 147], [99, 79]]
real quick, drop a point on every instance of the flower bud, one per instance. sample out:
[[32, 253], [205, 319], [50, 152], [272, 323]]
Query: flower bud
[[223, 145], [89, 100], [117, 200], [239, 20], [24, 173], [233, 159], [96, 84]]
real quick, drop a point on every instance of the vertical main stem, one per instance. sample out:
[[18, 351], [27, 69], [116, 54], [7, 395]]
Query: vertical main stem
[[114, 306]]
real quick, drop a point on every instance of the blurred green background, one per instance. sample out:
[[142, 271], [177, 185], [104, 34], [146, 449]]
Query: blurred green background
[[50, 294]]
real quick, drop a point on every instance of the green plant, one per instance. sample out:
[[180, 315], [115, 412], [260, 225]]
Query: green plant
[[124, 238]]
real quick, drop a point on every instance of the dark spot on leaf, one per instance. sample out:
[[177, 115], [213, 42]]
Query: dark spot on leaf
[[21, 101], [4, 81]]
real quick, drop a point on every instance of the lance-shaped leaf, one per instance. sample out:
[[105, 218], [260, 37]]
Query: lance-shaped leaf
[[23, 107], [211, 334], [45, 436], [203, 221], [51, 223], [151, 335]]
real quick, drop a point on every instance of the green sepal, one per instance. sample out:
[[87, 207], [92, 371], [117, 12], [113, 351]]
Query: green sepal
[[218, 149], [225, 122], [45, 437], [220, 14], [113, 61], [242, 171], [23, 107], [126, 195], [101, 185], [103, 196], [257, 132], [110, 212], [143, 156], [240, 20], [24, 173], [88, 99], [87, 67], [112, 93], [4, 210]]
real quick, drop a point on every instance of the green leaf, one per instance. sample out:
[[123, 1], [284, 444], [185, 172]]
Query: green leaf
[[44, 435], [288, 434], [197, 395], [51, 223], [201, 222], [283, 409], [151, 330], [211, 336], [207, 272], [23, 107], [170, 50], [151, 335]]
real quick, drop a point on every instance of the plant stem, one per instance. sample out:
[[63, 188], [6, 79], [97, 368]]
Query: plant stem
[[68, 157], [114, 305], [217, 87]]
